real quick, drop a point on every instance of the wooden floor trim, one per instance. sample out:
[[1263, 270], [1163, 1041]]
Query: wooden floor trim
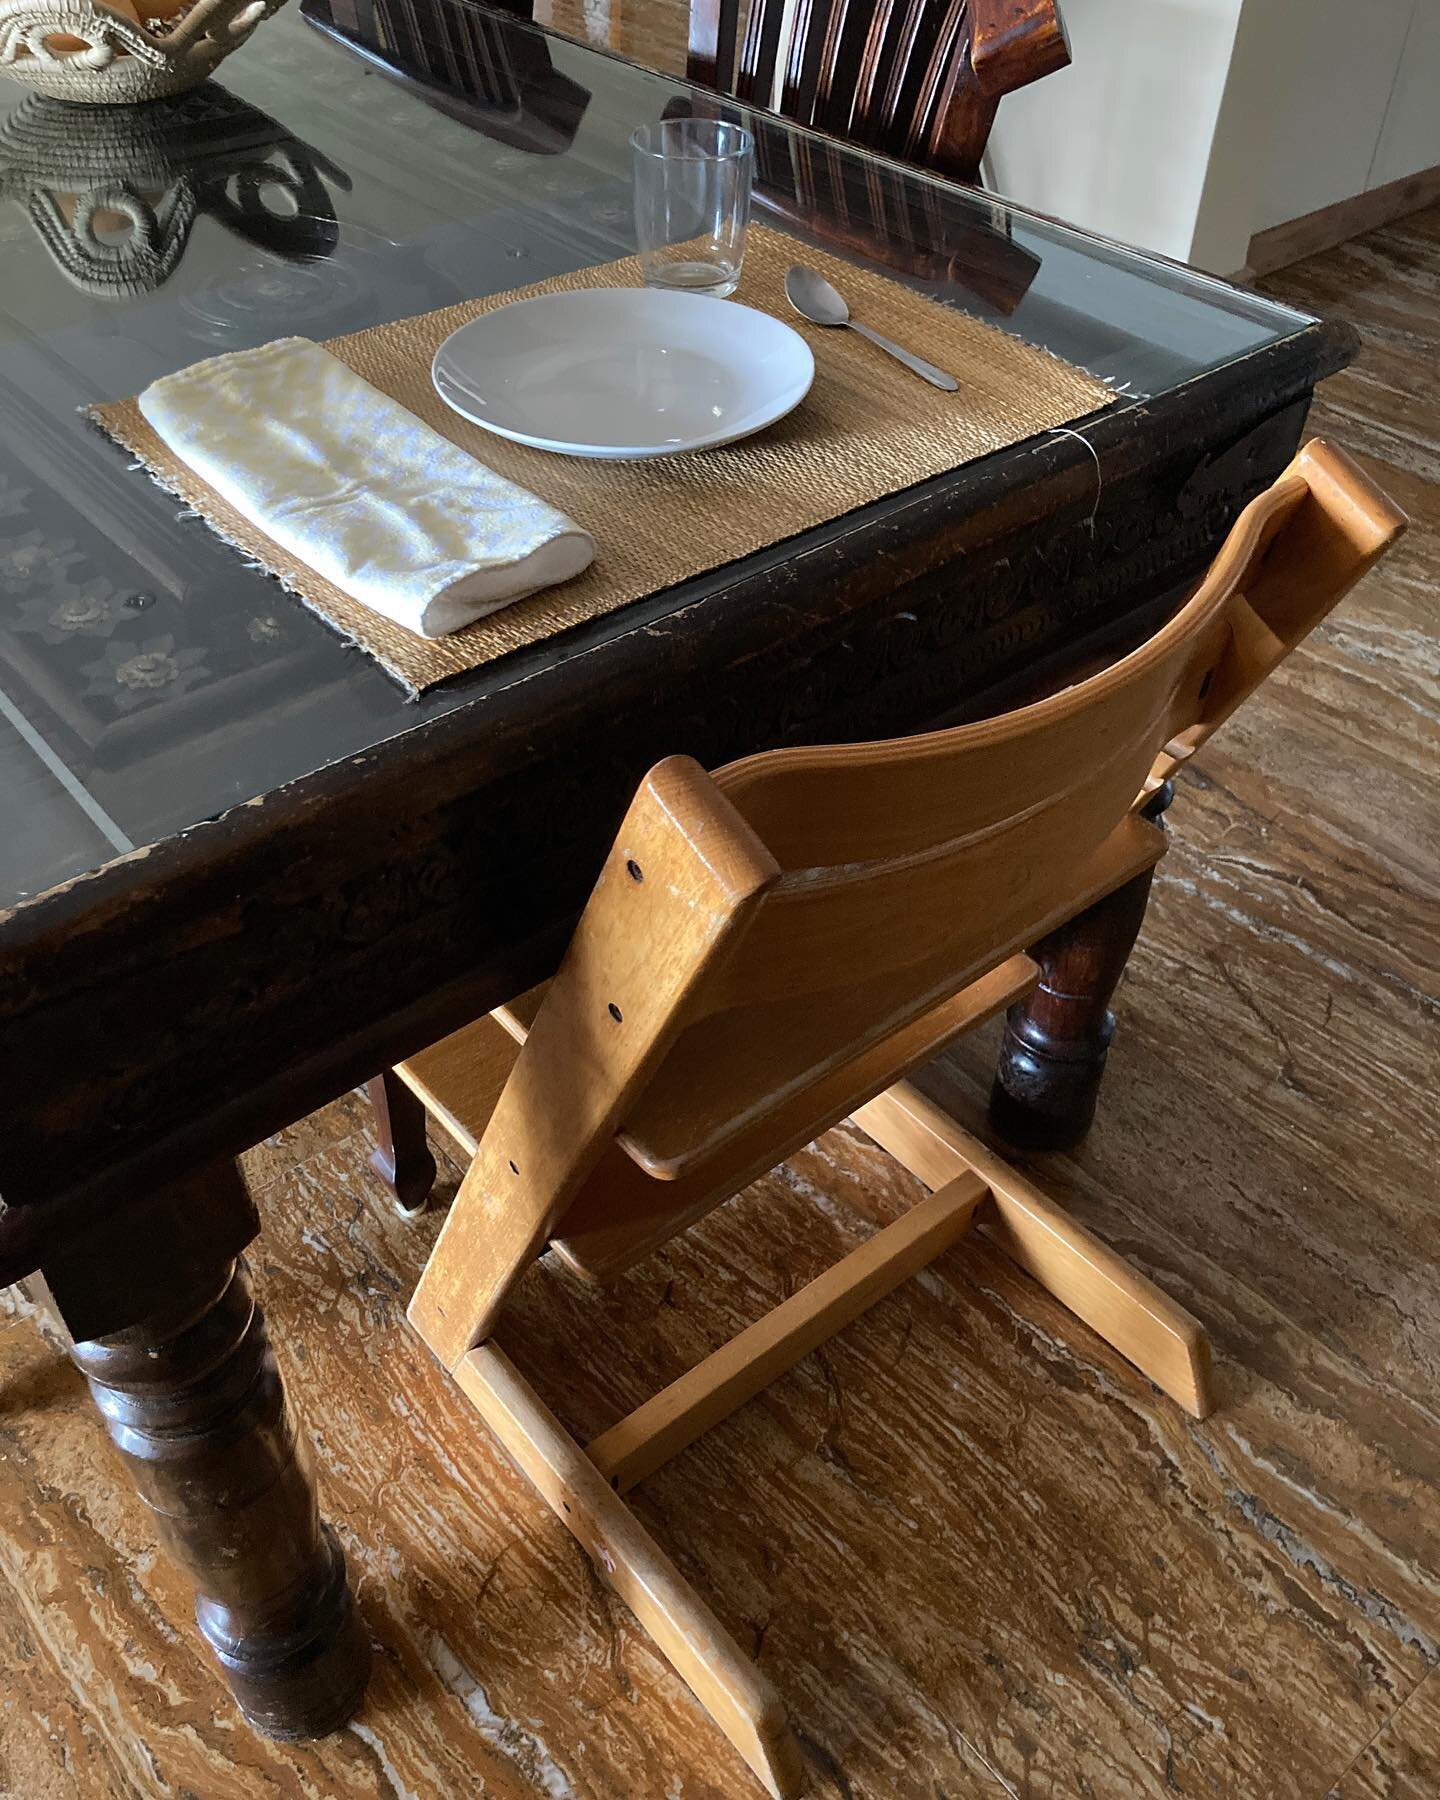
[[1292, 241]]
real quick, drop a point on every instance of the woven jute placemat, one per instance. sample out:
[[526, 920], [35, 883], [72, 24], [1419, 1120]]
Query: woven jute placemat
[[866, 429]]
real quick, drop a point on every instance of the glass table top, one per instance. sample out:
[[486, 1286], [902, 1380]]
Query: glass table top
[[149, 678]]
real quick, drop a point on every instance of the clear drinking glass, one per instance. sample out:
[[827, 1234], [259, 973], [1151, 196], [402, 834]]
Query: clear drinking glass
[[692, 203]]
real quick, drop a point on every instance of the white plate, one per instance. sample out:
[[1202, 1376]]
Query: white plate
[[623, 372]]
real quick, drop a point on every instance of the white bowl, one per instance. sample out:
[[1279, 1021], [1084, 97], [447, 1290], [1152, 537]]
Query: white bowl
[[623, 372]]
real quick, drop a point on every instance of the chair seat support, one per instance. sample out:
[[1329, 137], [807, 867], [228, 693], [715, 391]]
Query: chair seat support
[[744, 1367], [1148, 1328], [742, 1702], [583, 1487]]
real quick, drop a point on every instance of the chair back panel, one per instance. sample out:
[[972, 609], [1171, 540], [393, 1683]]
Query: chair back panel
[[909, 868], [957, 850], [1293, 580], [1037, 810]]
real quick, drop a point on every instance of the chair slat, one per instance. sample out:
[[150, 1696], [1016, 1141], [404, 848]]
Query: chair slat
[[711, 57], [893, 74], [838, 70], [760, 51], [916, 27], [803, 57], [460, 1079]]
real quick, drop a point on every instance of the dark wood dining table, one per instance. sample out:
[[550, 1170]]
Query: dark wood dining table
[[241, 872]]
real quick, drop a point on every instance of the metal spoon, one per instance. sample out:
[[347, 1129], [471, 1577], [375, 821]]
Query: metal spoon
[[815, 299]]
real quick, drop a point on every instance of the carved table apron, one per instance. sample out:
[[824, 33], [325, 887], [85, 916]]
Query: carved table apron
[[160, 1016]]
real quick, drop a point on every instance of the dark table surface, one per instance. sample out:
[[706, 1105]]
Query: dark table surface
[[148, 678], [242, 870]]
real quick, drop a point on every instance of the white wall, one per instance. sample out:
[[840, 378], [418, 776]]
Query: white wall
[[1246, 137], [1410, 137], [1186, 126], [1120, 141], [1331, 109]]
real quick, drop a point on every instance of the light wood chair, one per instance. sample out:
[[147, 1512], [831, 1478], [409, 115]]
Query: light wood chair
[[775, 947], [919, 80]]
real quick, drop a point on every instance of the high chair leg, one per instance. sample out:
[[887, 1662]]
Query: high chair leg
[[724, 1680], [582, 1487], [1162, 1339]]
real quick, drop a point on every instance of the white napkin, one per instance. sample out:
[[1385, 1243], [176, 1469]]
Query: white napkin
[[356, 486]]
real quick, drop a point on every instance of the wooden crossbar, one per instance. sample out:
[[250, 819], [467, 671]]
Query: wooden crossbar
[[744, 1367], [1143, 1323]]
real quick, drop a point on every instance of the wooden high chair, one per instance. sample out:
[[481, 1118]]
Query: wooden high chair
[[773, 948]]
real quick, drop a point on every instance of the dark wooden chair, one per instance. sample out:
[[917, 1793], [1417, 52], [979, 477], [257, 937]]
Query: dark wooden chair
[[919, 80], [777, 946]]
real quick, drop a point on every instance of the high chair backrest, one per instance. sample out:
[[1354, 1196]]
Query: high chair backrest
[[756, 935]]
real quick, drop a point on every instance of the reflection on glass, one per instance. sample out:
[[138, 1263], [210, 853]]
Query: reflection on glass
[[469, 64], [267, 297], [114, 191], [879, 212], [171, 679]]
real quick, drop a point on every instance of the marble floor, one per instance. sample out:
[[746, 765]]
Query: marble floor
[[976, 1553]]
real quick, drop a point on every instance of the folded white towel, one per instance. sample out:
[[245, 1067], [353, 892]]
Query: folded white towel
[[368, 495]]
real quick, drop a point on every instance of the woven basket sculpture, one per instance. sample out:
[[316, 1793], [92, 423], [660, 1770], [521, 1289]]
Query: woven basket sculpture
[[113, 191], [108, 55]]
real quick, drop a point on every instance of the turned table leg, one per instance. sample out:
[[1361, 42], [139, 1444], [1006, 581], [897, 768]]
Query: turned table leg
[[194, 1403], [1053, 1052], [402, 1157]]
